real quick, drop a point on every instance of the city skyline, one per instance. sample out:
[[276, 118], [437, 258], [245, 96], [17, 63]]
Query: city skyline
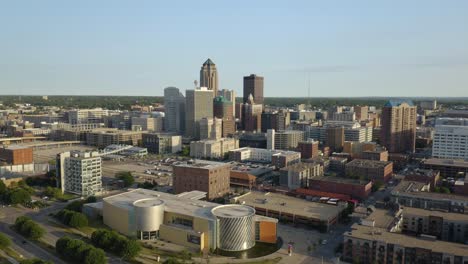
[[358, 49]]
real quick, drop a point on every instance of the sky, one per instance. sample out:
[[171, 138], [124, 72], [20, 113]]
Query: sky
[[337, 48]]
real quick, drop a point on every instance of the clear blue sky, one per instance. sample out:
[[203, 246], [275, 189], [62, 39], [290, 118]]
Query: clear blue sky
[[347, 48]]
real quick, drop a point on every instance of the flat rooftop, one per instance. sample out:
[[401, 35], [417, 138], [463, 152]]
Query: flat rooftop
[[341, 180], [446, 162], [445, 215], [368, 163], [415, 192], [383, 218], [290, 205], [409, 186], [376, 234], [173, 203], [205, 164]]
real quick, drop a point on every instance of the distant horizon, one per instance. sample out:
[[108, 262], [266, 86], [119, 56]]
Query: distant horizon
[[237, 96]]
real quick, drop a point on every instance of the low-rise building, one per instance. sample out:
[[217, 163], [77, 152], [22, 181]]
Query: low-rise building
[[424, 176], [277, 158], [105, 137], [299, 174], [367, 244], [185, 220], [416, 194], [447, 167], [16, 155], [370, 169], [213, 148], [357, 189], [293, 210], [202, 175], [162, 143], [445, 226], [243, 179], [380, 155]]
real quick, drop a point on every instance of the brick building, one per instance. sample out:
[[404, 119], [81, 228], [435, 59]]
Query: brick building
[[357, 189], [370, 169], [16, 155], [206, 176]]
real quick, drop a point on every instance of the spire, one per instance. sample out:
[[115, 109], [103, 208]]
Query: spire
[[208, 62]]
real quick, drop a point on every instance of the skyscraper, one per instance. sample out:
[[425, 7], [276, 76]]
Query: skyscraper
[[209, 76], [252, 115], [398, 132], [224, 109], [174, 110], [198, 104], [253, 84], [229, 95]]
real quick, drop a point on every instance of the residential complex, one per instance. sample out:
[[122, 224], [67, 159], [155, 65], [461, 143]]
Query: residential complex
[[79, 173], [398, 133]]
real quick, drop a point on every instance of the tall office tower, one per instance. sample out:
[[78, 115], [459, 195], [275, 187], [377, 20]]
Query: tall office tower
[[223, 109], [198, 105], [174, 110], [253, 85], [335, 138], [229, 95], [362, 112], [210, 128], [252, 115], [79, 172], [398, 132], [209, 76], [451, 138]]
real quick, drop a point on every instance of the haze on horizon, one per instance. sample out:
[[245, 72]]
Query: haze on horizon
[[342, 48]]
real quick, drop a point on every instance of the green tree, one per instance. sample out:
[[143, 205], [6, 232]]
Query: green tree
[[95, 256], [78, 220], [172, 260], [185, 151], [376, 186], [91, 199], [18, 196], [3, 188], [4, 241], [130, 248], [75, 206], [28, 228], [126, 177]]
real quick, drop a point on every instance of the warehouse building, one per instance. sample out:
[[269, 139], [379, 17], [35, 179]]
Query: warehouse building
[[185, 220]]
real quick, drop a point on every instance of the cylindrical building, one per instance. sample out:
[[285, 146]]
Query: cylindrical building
[[236, 227], [149, 215]]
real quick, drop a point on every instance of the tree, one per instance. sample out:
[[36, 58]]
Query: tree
[[4, 241], [28, 228], [18, 196], [74, 206], [185, 151], [126, 177], [78, 220], [95, 256], [3, 188], [130, 248], [91, 199]]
